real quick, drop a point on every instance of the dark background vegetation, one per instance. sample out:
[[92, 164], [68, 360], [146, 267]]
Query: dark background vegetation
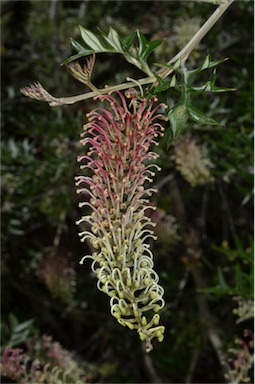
[[41, 276]]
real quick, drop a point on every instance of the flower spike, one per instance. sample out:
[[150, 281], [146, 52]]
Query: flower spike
[[119, 139]]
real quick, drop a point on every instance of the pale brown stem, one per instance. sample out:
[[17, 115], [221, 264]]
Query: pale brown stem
[[185, 52]]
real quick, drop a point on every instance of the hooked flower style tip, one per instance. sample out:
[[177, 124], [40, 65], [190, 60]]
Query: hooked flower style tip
[[118, 163]]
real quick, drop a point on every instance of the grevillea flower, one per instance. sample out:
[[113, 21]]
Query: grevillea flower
[[54, 364], [241, 359], [192, 161], [118, 140], [58, 275]]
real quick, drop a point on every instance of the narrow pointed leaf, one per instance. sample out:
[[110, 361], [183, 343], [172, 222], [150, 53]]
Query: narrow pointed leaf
[[163, 84], [13, 321], [114, 40], [91, 40], [127, 41], [178, 118], [209, 87], [79, 48], [200, 89], [143, 43], [161, 88], [133, 61], [206, 65], [239, 278], [222, 89], [217, 62], [22, 326], [222, 280], [151, 46], [177, 64], [200, 117], [81, 52], [78, 56], [173, 81]]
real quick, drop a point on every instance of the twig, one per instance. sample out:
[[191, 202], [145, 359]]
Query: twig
[[182, 55], [192, 367], [181, 287], [203, 215], [45, 302], [150, 367], [227, 211], [207, 318], [52, 10], [163, 181], [185, 52], [89, 95], [59, 230]]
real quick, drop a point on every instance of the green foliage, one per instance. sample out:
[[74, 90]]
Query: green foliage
[[240, 271], [40, 187], [14, 333], [184, 108], [138, 56], [112, 43]]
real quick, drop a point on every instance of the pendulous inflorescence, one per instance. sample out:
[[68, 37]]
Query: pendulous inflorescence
[[119, 163]]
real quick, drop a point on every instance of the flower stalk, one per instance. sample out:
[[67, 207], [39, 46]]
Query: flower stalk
[[118, 157]]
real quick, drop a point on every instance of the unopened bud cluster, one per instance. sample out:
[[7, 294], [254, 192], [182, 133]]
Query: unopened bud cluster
[[118, 140]]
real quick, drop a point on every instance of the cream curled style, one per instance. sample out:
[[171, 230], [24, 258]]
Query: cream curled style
[[118, 140]]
